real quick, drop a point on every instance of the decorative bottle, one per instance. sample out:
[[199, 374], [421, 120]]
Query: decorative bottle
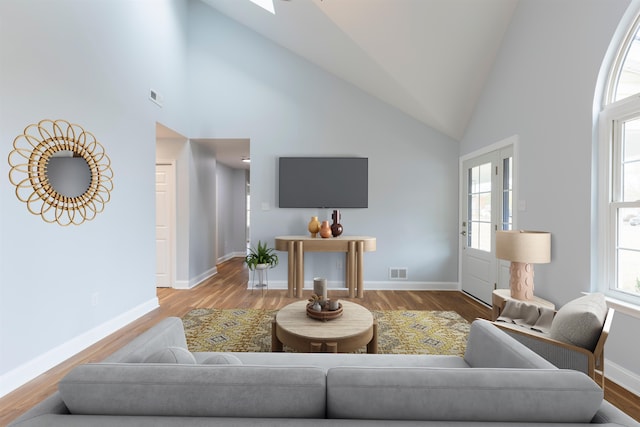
[[325, 229], [314, 226], [336, 227]]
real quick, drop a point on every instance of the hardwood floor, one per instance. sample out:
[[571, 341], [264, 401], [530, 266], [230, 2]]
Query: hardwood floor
[[228, 289]]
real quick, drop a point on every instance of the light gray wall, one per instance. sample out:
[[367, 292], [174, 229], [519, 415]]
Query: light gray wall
[[202, 213], [542, 88], [91, 63], [232, 228], [243, 85]]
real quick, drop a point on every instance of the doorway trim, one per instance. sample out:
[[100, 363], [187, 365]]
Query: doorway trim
[[512, 141]]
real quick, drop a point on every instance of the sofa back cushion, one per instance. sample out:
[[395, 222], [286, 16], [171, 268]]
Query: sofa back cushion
[[195, 390], [172, 355], [487, 395], [489, 347]]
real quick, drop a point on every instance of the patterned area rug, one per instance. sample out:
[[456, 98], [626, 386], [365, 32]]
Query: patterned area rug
[[399, 331]]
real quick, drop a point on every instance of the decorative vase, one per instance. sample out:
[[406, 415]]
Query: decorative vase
[[314, 226], [325, 229], [336, 227]]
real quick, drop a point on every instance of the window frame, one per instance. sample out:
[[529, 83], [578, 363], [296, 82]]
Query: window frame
[[610, 163]]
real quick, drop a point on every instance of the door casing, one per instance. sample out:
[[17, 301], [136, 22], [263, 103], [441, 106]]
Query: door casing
[[494, 273]]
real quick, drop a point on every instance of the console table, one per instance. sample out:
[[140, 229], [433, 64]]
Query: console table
[[354, 246]]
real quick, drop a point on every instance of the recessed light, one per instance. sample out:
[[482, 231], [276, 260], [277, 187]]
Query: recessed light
[[246, 160]]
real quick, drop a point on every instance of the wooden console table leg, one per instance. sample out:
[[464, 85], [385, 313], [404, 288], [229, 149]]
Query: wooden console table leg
[[291, 269], [351, 269], [276, 345], [299, 269], [360, 269]]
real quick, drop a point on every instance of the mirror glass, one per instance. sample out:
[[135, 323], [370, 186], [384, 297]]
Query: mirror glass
[[69, 176]]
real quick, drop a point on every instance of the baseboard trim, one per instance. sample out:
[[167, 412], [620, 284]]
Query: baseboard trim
[[39, 365], [232, 255], [622, 376], [377, 286], [195, 281]]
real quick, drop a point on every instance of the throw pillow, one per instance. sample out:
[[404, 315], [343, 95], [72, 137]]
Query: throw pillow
[[222, 359], [172, 355], [579, 322]]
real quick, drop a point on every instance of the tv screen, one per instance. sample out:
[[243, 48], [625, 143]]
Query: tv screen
[[323, 182]]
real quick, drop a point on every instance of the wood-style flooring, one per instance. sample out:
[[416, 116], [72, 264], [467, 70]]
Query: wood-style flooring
[[228, 289]]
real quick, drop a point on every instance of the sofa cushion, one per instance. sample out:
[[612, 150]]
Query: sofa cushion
[[222, 359], [195, 390], [171, 355], [479, 394], [579, 322]]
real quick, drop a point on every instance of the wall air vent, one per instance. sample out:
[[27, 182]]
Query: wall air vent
[[398, 273], [155, 97]]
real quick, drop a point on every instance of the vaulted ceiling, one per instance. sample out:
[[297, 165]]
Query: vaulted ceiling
[[428, 58]]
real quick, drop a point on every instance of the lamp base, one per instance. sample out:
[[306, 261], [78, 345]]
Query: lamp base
[[521, 280]]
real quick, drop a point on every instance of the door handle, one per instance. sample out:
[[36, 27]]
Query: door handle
[[463, 233]]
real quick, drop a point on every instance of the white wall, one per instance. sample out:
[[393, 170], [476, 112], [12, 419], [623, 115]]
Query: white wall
[[542, 88], [91, 63], [245, 86]]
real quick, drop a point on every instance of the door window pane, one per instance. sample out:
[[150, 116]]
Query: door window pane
[[479, 202], [507, 193]]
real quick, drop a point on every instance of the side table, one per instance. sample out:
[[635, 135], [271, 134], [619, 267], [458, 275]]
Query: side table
[[500, 297]]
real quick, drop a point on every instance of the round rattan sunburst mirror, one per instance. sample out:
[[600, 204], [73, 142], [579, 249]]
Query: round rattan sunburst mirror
[[31, 158]]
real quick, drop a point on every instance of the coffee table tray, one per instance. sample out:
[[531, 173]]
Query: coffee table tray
[[325, 314]]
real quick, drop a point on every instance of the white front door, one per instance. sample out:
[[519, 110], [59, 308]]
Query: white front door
[[487, 207], [165, 207]]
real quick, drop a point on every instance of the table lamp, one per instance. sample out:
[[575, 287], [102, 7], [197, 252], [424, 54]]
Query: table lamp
[[523, 249]]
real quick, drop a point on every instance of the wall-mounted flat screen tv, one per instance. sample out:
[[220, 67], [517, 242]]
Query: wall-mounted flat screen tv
[[323, 182]]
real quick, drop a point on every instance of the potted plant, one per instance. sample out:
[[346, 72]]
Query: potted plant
[[261, 257]]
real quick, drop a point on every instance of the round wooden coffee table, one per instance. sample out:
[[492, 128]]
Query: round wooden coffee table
[[353, 330]]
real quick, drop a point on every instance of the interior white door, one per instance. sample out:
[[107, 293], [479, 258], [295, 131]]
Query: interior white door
[[164, 224], [486, 200]]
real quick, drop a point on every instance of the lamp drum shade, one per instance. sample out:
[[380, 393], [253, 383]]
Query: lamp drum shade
[[532, 247]]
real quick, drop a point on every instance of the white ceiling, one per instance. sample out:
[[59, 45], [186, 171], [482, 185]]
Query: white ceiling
[[428, 58]]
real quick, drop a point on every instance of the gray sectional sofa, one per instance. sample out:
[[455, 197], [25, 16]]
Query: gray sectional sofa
[[156, 381]]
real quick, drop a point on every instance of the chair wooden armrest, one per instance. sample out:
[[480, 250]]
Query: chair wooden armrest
[[561, 354]]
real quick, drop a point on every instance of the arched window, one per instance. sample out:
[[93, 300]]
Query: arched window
[[625, 76], [619, 175]]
